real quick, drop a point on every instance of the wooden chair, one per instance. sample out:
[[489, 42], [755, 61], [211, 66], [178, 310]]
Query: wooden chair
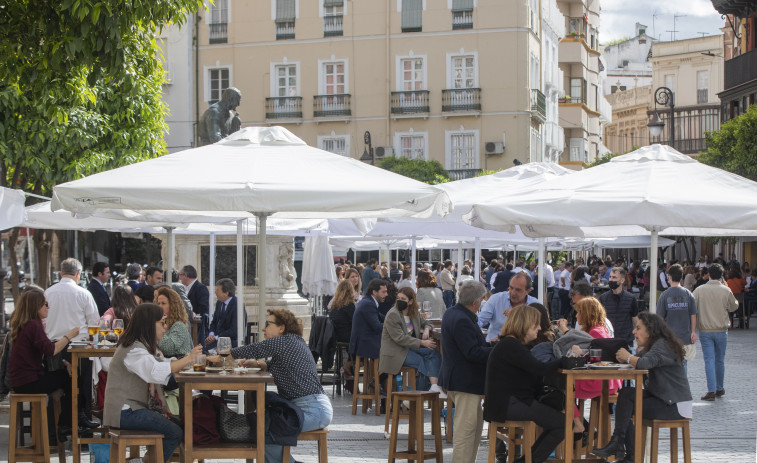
[[121, 439], [370, 374], [521, 433], [40, 448], [415, 446], [602, 432], [673, 425], [319, 435], [408, 382]]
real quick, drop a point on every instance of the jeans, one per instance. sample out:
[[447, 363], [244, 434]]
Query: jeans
[[449, 297], [549, 419], [713, 351], [148, 420], [318, 413], [427, 361]]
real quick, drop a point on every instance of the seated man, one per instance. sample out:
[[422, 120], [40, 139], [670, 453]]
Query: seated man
[[224, 322]]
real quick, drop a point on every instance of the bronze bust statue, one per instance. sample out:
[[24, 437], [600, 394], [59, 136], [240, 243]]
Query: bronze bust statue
[[220, 120]]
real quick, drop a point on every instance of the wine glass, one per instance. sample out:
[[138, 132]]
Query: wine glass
[[104, 327], [93, 326], [224, 350], [118, 327]]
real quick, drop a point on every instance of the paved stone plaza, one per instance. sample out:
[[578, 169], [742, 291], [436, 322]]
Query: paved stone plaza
[[722, 431]]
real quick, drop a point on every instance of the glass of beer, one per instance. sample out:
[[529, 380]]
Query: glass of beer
[[118, 327], [93, 326], [104, 328], [198, 362]]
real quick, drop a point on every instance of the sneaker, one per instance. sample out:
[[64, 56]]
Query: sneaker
[[437, 388], [710, 396], [720, 393]]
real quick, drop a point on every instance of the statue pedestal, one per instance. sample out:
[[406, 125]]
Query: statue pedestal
[[281, 291]]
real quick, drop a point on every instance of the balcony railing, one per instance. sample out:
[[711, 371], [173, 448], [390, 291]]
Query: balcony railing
[[460, 174], [414, 102], [332, 26], [461, 99], [286, 107], [702, 95], [538, 104], [568, 99], [218, 32], [740, 69], [331, 105], [284, 30], [462, 19]]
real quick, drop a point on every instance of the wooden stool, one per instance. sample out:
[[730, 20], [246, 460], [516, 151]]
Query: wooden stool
[[40, 448], [341, 349], [370, 374], [673, 425], [603, 429], [121, 439], [449, 421], [408, 381], [415, 444], [55, 397], [525, 438], [317, 435]]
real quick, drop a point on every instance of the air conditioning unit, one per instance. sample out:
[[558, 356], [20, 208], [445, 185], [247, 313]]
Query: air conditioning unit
[[383, 151], [494, 147]]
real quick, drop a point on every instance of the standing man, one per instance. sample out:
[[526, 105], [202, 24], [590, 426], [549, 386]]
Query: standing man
[[564, 289], [198, 296], [367, 323], [500, 281], [714, 301], [448, 284], [369, 273], [134, 274], [153, 276], [100, 276], [224, 322], [463, 373], [679, 309], [498, 307], [620, 305], [73, 305], [662, 279]]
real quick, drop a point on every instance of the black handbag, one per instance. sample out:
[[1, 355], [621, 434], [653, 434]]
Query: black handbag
[[233, 427], [610, 347]]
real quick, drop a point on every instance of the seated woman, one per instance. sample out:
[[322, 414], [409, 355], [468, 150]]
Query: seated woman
[[405, 341], [124, 304], [145, 294], [591, 317], [176, 342], [30, 343], [429, 291], [666, 391], [342, 310], [353, 276], [514, 379], [294, 372], [133, 396]]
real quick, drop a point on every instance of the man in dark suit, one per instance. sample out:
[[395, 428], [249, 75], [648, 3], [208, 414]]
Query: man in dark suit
[[224, 322], [198, 296], [100, 276], [134, 274], [365, 338], [464, 356]]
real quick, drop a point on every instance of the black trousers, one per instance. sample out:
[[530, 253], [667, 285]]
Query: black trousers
[[652, 408], [50, 382], [549, 419], [565, 307]]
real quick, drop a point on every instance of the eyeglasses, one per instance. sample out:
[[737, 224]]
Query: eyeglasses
[[268, 322]]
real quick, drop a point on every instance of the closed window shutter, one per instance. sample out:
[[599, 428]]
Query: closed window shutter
[[462, 5], [412, 14], [333, 2], [285, 10]]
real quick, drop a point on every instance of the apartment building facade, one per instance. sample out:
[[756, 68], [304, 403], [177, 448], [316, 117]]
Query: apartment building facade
[[628, 64], [553, 30], [458, 81]]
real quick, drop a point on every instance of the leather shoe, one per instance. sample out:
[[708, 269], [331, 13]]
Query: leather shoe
[[710, 397], [63, 433], [85, 422], [614, 448], [720, 393]]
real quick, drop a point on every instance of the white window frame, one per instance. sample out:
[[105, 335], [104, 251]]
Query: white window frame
[[322, 11], [210, 7], [322, 74], [398, 74], [398, 142], [274, 76], [448, 134], [450, 71], [296, 10], [206, 72], [706, 73], [334, 136]]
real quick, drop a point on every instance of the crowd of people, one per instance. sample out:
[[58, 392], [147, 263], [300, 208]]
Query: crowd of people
[[496, 341]]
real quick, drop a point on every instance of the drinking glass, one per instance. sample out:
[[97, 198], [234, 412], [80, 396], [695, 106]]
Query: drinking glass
[[104, 328], [595, 355], [224, 350], [427, 308], [118, 327], [93, 326], [198, 362]]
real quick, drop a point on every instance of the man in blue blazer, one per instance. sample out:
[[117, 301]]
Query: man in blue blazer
[[365, 339], [224, 322], [96, 286], [198, 295], [464, 356]]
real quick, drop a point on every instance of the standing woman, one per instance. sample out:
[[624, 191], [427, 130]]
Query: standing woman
[[405, 341], [133, 396], [30, 343], [428, 291], [176, 342]]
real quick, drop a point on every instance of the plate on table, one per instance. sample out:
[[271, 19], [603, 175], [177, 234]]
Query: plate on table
[[213, 369], [605, 366], [192, 373], [244, 371]]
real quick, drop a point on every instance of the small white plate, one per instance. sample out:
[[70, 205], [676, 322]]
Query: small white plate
[[213, 369], [192, 373], [243, 370]]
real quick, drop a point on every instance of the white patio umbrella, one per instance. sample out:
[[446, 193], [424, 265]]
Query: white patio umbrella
[[259, 171], [654, 187], [12, 211], [318, 275]]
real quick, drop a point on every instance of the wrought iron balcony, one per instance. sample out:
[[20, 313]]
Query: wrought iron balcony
[[333, 26], [461, 99], [284, 30], [285, 107], [740, 69], [217, 32], [331, 105], [538, 105], [568, 99], [462, 19], [460, 174], [413, 102]]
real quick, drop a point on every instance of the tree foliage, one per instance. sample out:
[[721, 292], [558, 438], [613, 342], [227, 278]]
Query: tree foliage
[[607, 157], [734, 146], [431, 172]]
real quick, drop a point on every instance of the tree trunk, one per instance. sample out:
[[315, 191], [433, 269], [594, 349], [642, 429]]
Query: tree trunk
[[682, 240], [43, 247], [693, 249], [13, 280]]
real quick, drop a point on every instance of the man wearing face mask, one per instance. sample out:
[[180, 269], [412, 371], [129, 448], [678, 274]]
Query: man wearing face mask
[[620, 305]]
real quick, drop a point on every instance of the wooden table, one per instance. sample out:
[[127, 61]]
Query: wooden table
[[604, 375], [78, 353], [231, 382]]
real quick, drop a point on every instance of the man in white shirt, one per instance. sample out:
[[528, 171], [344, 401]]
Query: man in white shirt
[[71, 305], [564, 292]]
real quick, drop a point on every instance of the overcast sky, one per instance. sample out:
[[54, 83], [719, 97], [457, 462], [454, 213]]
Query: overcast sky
[[619, 16]]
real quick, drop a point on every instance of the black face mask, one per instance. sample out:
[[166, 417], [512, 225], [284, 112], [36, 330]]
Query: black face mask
[[613, 285], [401, 305]]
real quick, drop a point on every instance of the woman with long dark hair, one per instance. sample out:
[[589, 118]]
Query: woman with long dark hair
[[133, 396], [124, 304], [666, 393]]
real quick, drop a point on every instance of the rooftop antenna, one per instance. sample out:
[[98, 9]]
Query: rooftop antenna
[[675, 17], [703, 33], [672, 34], [654, 15]]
